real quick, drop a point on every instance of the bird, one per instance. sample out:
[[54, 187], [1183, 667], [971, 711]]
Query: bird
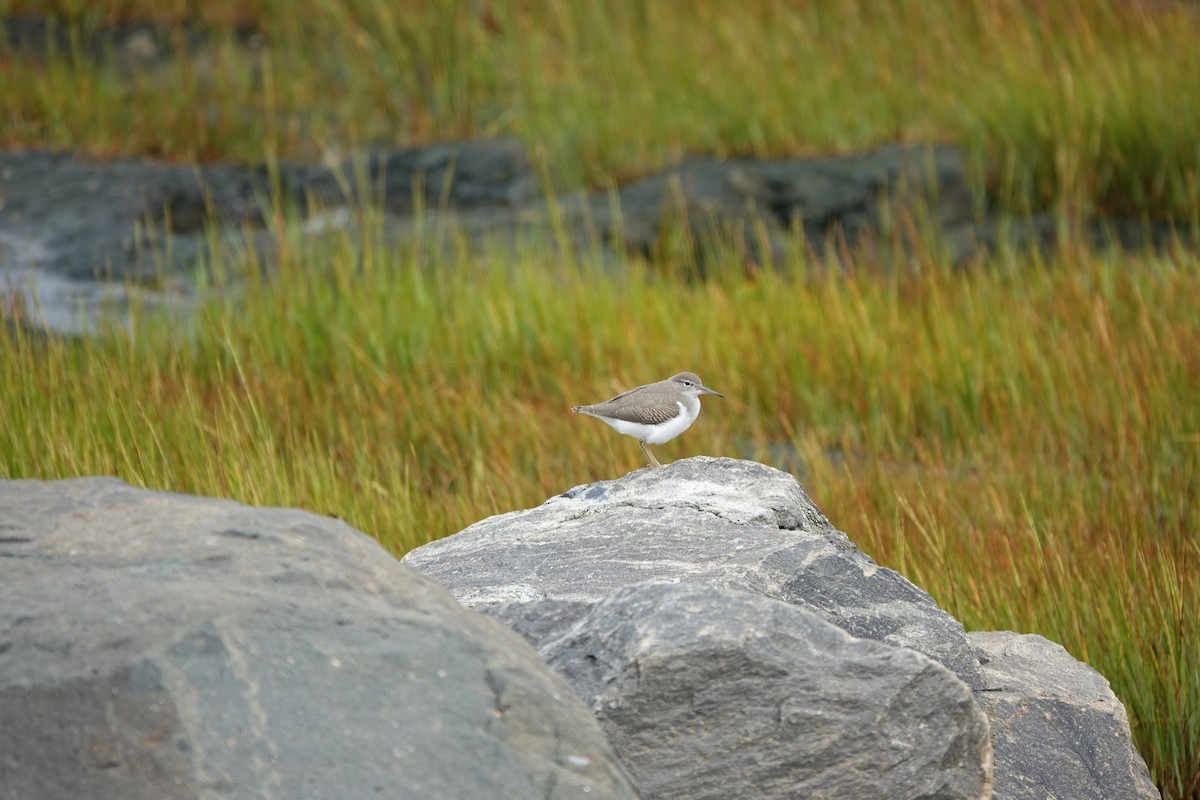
[[654, 413]]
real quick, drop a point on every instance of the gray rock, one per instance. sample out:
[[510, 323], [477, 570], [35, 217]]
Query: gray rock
[[718, 522], [82, 234], [131, 46], [461, 175], [689, 211], [67, 220], [85, 215], [850, 195], [164, 646], [538, 620], [754, 205], [1057, 728], [712, 693]]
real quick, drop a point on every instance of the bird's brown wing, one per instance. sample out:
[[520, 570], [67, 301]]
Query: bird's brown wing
[[633, 409]]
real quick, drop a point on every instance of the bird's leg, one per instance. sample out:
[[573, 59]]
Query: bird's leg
[[649, 455]]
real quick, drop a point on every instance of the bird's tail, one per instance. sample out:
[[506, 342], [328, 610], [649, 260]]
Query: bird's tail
[[576, 409]]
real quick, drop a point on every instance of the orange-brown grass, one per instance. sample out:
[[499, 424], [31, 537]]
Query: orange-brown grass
[[1022, 440]]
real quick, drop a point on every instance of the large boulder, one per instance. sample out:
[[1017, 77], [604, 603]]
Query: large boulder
[[1057, 728], [163, 646], [709, 693], [565, 576], [712, 521]]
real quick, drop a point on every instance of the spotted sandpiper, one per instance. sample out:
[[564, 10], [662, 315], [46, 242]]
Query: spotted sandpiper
[[654, 413]]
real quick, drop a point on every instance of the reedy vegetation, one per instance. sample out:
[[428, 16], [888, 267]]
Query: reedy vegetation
[[1087, 104], [1022, 440]]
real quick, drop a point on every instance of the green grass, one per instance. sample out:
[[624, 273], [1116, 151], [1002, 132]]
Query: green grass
[[1083, 105], [1022, 440]]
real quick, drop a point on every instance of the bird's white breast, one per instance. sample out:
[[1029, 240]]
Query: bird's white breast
[[657, 434]]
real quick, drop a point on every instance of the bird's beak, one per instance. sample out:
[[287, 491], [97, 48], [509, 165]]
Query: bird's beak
[[707, 390]]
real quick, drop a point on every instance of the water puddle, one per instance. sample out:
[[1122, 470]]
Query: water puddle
[[43, 299]]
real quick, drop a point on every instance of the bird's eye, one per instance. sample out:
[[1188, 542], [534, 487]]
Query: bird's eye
[[687, 383]]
